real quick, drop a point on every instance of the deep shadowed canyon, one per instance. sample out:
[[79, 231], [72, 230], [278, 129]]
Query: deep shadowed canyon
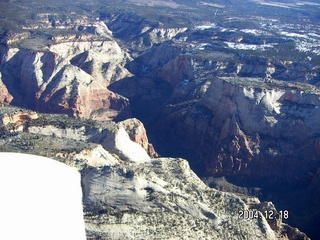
[[110, 88]]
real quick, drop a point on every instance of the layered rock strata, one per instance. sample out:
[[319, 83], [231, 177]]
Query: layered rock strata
[[138, 134], [254, 127], [232, 124], [69, 77], [137, 197], [250, 118]]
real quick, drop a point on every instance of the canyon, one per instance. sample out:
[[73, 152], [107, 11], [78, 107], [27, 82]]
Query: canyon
[[237, 96], [126, 193]]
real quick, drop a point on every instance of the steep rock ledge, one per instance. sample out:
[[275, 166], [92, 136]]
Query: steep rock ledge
[[249, 126], [111, 136], [138, 198], [138, 134], [229, 121], [164, 193], [70, 77], [233, 116]]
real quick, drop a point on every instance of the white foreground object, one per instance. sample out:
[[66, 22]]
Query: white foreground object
[[40, 198]]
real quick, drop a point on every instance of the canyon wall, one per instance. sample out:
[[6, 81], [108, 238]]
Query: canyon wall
[[251, 127], [66, 77], [125, 194], [236, 117], [229, 113]]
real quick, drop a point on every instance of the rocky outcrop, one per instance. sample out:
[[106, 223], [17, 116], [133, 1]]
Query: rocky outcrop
[[69, 78], [12, 37], [159, 35], [177, 70], [138, 32], [164, 193], [95, 157], [5, 96], [274, 219], [138, 134], [113, 137], [250, 126], [118, 141], [16, 120], [61, 21], [76, 93], [150, 63], [127, 194]]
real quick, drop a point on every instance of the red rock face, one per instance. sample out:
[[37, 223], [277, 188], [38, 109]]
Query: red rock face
[[100, 104], [75, 93], [176, 70], [138, 134], [5, 96], [57, 81], [248, 131]]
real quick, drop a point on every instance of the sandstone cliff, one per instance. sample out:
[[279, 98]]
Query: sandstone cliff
[[5, 96], [248, 126], [138, 134], [139, 198], [203, 93], [253, 119], [233, 123], [69, 77], [111, 136]]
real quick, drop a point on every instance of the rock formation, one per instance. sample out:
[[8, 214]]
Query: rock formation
[[234, 124], [14, 120], [5, 96], [237, 97], [117, 138], [128, 197], [140, 33], [69, 77], [231, 115], [164, 193], [249, 126], [138, 134]]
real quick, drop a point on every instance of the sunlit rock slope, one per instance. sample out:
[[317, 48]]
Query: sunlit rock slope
[[67, 76], [125, 193]]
